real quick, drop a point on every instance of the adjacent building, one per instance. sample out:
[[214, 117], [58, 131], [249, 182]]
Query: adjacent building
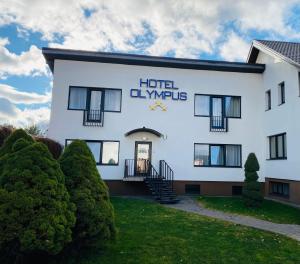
[[191, 121]]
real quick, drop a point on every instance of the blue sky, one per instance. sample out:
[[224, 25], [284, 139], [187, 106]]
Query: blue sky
[[203, 29]]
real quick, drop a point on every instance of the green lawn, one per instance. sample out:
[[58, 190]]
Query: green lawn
[[270, 210], [151, 233]]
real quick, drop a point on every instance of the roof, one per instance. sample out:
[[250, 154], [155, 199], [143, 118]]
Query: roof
[[288, 51], [52, 54]]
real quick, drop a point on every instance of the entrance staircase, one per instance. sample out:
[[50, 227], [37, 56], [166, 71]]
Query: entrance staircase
[[159, 183]]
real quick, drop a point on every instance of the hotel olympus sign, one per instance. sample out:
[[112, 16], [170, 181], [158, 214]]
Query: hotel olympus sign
[[158, 89]]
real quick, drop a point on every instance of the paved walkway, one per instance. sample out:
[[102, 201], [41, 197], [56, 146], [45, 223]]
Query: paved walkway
[[190, 205]]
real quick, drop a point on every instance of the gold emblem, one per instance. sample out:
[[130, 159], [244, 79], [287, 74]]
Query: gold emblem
[[158, 104]]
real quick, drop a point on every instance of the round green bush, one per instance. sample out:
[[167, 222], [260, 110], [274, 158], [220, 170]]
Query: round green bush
[[95, 223], [36, 215]]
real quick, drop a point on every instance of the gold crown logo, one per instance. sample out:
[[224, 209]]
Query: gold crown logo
[[158, 104]]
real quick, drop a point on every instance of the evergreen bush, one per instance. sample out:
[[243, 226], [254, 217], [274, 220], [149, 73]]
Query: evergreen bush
[[95, 223], [9, 141], [252, 194], [36, 215]]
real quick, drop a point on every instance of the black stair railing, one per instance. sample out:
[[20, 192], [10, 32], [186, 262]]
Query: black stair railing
[[166, 173]]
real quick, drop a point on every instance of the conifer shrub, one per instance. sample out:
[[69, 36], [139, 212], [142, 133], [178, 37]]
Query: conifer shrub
[[95, 223], [252, 195], [5, 132], [10, 140], [53, 146], [36, 215]]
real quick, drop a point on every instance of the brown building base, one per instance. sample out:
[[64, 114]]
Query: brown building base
[[118, 187], [288, 193]]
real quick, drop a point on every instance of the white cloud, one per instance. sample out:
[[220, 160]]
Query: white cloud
[[235, 48], [29, 62], [187, 28], [10, 114], [20, 97]]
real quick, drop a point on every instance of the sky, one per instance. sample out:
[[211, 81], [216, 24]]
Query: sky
[[199, 29]]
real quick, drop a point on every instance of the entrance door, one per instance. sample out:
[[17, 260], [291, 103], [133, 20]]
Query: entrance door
[[217, 112], [142, 158]]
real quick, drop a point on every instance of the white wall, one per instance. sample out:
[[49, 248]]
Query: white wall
[[179, 125], [282, 118]]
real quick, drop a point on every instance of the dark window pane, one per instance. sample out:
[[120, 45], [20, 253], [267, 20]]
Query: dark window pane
[[201, 155]]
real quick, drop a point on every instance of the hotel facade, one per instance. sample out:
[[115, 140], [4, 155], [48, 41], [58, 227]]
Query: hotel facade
[[189, 123]]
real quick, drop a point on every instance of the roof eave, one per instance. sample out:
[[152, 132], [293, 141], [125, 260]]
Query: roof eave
[[58, 54]]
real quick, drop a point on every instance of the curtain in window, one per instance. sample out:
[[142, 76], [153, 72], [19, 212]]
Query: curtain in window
[[77, 98], [202, 103], [280, 150], [233, 106], [110, 153], [95, 148], [201, 157], [95, 105], [233, 155], [217, 155], [112, 100], [273, 147]]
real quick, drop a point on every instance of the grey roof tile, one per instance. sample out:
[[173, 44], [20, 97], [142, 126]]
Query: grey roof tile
[[290, 50]]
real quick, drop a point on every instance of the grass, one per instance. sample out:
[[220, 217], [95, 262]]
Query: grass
[[270, 210], [151, 233]]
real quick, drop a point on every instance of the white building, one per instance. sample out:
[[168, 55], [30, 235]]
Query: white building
[[196, 120]]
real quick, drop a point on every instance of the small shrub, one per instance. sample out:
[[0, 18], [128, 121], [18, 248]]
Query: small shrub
[[9, 141], [252, 195], [33, 130], [95, 223], [36, 215], [53, 146], [5, 132]]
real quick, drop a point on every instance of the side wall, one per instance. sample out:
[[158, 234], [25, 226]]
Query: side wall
[[282, 119]]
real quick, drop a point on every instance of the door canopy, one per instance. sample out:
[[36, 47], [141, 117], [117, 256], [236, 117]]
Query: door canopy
[[144, 129]]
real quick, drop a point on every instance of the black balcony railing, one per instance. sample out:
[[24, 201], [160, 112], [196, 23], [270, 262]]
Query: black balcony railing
[[218, 124], [93, 118]]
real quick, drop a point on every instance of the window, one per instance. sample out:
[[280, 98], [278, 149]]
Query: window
[[202, 103], [217, 105], [192, 189], [232, 106], [279, 188], [104, 152], [268, 100], [201, 155], [112, 100], [110, 154], [217, 155], [281, 93], [77, 98], [277, 145], [83, 98]]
